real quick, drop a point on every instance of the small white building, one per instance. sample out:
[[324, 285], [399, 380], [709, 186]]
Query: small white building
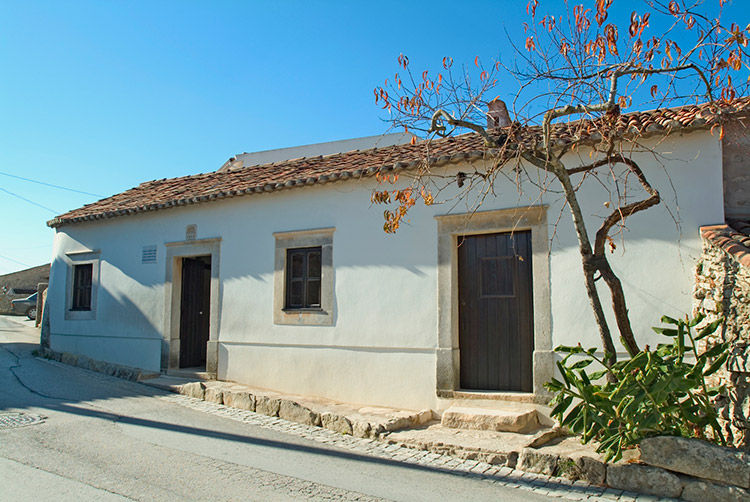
[[279, 275]]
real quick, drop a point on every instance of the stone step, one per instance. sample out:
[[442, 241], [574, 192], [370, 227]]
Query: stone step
[[497, 448], [512, 419], [191, 373], [166, 382]]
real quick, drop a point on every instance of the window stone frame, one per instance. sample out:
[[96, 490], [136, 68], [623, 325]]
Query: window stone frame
[[324, 316], [73, 258]]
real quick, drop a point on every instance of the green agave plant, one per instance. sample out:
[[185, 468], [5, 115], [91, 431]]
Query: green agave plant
[[656, 392]]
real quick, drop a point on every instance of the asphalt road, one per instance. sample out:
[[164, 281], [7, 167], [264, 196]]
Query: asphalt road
[[107, 439]]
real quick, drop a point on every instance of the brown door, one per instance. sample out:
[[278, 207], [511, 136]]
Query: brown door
[[496, 330], [194, 310]]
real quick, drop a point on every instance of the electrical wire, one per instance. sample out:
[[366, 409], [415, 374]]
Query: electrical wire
[[50, 184], [15, 261], [29, 201]]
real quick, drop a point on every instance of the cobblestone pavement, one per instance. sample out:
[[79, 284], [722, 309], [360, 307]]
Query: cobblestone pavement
[[504, 476]]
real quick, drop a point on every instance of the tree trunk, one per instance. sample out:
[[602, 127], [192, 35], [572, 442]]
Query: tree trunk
[[618, 306], [589, 265], [610, 353]]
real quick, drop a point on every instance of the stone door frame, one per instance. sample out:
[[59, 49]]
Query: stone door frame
[[176, 251], [450, 227]]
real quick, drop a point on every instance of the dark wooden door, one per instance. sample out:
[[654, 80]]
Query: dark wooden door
[[194, 310], [496, 329]]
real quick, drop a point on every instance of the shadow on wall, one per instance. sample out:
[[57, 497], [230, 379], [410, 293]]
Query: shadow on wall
[[122, 332]]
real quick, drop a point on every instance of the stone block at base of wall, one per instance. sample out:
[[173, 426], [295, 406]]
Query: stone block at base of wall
[[688, 468], [214, 395], [239, 399], [337, 423], [115, 370], [696, 490], [267, 405], [356, 421], [584, 468], [538, 462], [644, 479], [698, 459], [295, 412]]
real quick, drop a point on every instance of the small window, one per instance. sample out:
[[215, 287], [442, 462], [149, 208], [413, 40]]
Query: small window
[[303, 278], [82, 275]]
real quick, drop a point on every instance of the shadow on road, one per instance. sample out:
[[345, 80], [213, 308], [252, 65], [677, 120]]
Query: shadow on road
[[304, 448], [41, 384]]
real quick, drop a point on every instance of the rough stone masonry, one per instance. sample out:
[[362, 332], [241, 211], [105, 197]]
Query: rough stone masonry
[[722, 288]]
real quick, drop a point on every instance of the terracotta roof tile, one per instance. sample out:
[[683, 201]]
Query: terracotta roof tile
[[732, 238], [166, 193]]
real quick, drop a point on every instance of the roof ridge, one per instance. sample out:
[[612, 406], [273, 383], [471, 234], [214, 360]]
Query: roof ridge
[[331, 155]]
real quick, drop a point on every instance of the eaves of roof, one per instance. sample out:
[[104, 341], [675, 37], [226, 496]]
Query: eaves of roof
[[188, 190]]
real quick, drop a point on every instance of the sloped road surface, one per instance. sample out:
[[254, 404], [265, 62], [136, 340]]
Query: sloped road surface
[[72, 434]]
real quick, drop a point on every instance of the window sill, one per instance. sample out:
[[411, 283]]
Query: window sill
[[309, 310], [303, 317], [80, 315]]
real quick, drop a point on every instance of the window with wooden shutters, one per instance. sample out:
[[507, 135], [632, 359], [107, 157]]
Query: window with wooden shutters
[[303, 275], [82, 276], [82, 281]]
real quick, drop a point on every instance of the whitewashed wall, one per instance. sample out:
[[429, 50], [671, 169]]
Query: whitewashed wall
[[381, 348]]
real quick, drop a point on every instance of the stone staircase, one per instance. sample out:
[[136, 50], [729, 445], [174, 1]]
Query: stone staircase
[[495, 431]]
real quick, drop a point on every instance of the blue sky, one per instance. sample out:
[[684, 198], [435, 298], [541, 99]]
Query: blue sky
[[102, 95]]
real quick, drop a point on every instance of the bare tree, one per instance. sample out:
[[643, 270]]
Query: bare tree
[[575, 74]]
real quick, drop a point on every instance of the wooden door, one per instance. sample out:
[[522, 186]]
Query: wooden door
[[195, 304], [496, 327]]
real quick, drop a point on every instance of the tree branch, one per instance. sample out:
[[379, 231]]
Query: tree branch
[[443, 116], [614, 72], [623, 212]]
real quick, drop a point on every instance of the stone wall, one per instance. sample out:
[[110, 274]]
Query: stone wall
[[722, 288], [687, 468]]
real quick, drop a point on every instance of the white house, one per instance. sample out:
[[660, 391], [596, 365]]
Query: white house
[[279, 275]]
